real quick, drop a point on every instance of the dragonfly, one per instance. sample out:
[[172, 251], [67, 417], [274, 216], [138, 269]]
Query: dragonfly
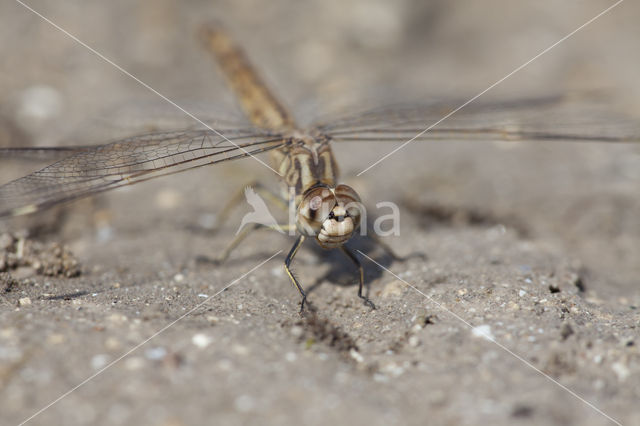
[[326, 210]]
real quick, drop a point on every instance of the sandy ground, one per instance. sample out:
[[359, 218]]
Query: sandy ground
[[535, 247]]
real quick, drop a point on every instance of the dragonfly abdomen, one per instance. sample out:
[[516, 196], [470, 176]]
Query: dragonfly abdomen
[[260, 105]]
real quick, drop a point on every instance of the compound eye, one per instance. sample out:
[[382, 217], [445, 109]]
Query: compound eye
[[314, 209]]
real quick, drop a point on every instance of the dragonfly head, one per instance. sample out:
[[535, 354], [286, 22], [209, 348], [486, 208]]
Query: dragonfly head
[[330, 215]]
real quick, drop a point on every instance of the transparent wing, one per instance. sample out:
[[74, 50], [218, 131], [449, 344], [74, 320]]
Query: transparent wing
[[40, 154], [90, 170], [137, 117], [549, 118]]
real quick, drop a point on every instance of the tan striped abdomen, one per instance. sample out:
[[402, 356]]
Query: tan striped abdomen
[[301, 166], [262, 108]]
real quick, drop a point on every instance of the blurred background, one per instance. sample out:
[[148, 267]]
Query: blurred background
[[315, 55]]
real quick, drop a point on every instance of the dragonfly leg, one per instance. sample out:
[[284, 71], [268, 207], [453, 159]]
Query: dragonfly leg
[[356, 262], [263, 191], [287, 263], [244, 234]]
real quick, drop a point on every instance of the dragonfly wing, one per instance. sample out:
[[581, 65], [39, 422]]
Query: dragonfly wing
[[128, 161], [550, 118], [40, 154]]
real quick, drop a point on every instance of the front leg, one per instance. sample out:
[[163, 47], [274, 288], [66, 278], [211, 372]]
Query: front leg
[[222, 257], [356, 261], [287, 264]]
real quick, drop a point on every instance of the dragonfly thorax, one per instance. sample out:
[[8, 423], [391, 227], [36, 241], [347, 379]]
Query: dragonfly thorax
[[330, 215]]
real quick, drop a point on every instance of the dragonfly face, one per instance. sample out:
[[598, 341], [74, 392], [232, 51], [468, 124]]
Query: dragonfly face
[[330, 215]]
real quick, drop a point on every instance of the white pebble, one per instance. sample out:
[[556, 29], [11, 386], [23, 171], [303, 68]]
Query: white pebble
[[414, 341], [393, 369], [24, 301], [356, 355], [522, 293], [483, 331], [621, 370], [201, 340]]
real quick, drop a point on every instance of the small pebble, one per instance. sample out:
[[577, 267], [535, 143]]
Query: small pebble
[[414, 341], [483, 331], [621, 370], [393, 369], [297, 331], [24, 301], [356, 355], [201, 340]]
